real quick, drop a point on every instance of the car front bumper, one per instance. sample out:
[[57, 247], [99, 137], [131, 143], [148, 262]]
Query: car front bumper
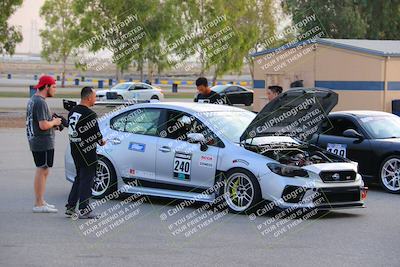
[[287, 192]]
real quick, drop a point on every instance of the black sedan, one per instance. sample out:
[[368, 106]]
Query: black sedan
[[235, 94], [371, 138]]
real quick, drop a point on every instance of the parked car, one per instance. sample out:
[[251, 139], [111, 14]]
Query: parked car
[[129, 91], [235, 94], [183, 150], [371, 138]]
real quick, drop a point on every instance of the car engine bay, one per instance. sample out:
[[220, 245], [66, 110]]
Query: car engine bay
[[295, 155]]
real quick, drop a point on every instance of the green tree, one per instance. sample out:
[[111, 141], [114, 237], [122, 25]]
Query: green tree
[[338, 18], [59, 34], [10, 36], [225, 32], [98, 18], [261, 25], [382, 18]]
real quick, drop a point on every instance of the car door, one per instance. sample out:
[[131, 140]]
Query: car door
[[233, 95], [354, 149], [143, 91], [132, 94], [133, 138], [180, 164]]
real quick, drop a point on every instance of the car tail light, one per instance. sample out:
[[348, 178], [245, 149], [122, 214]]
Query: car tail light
[[364, 191]]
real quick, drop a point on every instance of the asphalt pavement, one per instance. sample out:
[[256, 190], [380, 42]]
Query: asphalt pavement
[[148, 232]]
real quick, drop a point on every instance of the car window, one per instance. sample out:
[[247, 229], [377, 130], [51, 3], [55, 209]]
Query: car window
[[138, 87], [381, 127], [121, 86], [232, 89], [138, 121], [179, 124], [336, 126], [142, 87]]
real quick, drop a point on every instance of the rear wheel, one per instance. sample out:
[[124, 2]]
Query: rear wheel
[[241, 191], [105, 181], [120, 97], [390, 174], [155, 97]]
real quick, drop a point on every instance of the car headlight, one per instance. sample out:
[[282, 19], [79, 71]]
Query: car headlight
[[288, 171]]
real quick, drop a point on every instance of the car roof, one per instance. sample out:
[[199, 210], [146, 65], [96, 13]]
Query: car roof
[[191, 107], [132, 83], [361, 113]]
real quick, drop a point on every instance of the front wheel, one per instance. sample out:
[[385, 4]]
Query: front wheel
[[155, 97], [390, 174], [248, 103], [105, 181], [241, 191]]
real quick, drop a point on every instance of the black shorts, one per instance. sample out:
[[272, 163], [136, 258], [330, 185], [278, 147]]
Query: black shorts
[[43, 159]]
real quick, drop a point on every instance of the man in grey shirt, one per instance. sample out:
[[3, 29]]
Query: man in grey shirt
[[40, 132]]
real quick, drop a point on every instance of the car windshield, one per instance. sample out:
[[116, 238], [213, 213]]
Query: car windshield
[[231, 124], [381, 127], [121, 86], [218, 88]]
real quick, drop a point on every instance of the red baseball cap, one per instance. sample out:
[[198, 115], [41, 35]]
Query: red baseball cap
[[45, 79]]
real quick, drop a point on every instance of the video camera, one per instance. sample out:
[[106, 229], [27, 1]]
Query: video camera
[[64, 122]]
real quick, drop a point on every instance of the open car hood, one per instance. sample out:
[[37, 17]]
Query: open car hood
[[298, 113]]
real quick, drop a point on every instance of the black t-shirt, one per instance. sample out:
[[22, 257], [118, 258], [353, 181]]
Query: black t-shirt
[[84, 134], [213, 98]]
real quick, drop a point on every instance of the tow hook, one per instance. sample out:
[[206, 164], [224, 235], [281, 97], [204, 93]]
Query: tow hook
[[364, 191]]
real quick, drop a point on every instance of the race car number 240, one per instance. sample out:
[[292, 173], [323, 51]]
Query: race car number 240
[[182, 168]]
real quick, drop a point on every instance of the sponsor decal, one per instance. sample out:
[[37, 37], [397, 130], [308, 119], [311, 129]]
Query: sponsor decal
[[206, 161], [240, 161], [137, 147], [141, 174]]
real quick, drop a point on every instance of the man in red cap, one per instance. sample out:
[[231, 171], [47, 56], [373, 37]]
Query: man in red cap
[[40, 126]]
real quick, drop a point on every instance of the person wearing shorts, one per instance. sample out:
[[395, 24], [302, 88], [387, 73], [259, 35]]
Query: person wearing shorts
[[40, 126]]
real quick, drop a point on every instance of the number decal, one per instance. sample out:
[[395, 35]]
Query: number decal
[[182, 163], [338, 149]]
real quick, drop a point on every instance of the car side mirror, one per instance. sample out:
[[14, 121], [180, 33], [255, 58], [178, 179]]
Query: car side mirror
[[198, 138], [353, 134]]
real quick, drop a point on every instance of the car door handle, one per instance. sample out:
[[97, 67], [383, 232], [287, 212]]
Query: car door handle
[[165, 149], [115, 141]]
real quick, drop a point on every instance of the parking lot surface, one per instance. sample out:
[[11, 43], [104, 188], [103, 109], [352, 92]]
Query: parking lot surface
[[354, 237]]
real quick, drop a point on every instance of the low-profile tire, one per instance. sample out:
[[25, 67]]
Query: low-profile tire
[[242, 192], [389, 174], [105, 181], [155, 97]]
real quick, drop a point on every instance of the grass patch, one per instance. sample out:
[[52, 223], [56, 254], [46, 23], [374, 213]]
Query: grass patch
[[77, 95], [26, 95], [179, 95]]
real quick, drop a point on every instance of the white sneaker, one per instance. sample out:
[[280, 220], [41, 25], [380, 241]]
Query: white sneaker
[[49, 205], [44, 209]]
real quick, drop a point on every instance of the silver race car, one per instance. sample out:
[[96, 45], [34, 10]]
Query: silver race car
[[204, 152]]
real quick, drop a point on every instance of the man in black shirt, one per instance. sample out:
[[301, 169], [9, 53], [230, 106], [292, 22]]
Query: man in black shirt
[[84, 136], [206, 95]]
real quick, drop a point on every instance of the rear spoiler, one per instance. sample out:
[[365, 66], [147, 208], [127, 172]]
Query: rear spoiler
[[69, 104]]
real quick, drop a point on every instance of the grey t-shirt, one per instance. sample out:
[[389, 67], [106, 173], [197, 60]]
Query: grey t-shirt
[[37, 110]]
